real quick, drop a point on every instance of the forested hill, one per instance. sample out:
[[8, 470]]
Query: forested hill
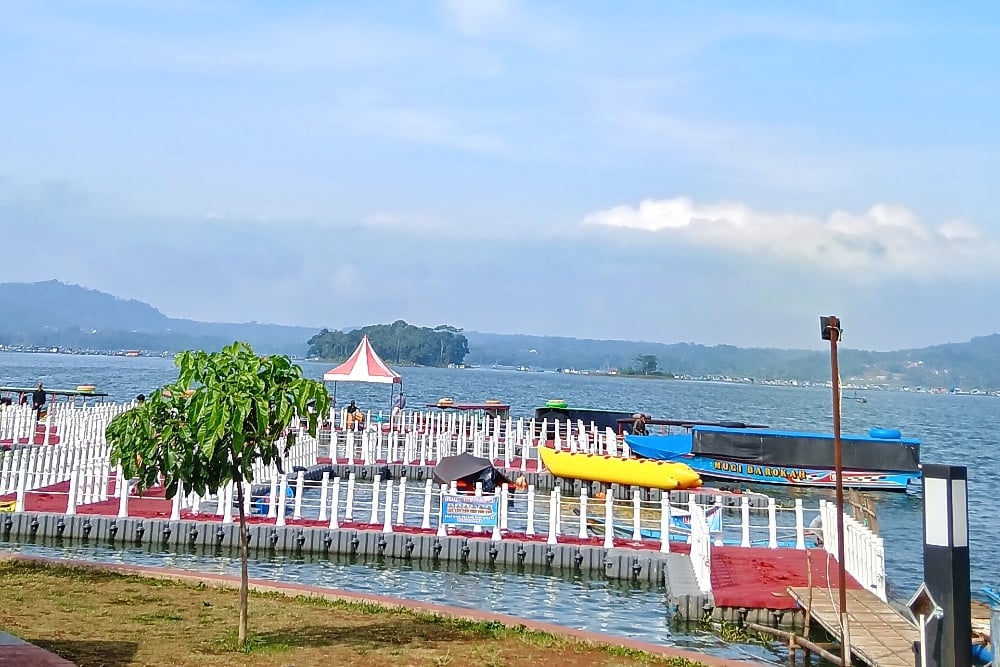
[[54, 314], [971, 365]]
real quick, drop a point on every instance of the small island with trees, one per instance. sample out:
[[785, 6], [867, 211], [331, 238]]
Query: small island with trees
[[398, 343], [646, 366]]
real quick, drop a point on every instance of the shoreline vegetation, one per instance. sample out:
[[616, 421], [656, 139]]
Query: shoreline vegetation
[[94, 615]]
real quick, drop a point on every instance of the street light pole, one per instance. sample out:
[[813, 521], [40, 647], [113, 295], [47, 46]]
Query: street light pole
[[830, 328]]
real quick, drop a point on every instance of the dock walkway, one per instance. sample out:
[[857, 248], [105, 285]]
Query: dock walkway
[[880, 636]]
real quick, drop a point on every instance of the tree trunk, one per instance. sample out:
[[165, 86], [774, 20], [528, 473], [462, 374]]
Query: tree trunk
[[241, 640]]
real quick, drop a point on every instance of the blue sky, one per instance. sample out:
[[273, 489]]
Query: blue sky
[[666, 171]]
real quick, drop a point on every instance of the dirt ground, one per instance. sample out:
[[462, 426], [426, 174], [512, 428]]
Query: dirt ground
[[99, 619]]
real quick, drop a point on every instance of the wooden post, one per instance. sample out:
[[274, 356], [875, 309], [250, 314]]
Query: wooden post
[[809, 599], [830, 329]]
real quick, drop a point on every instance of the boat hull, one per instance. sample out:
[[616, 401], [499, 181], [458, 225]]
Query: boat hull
[[664, 475], [721, 469], [785, 459]]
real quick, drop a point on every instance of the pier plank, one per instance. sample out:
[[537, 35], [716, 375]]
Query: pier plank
[[880, 636]]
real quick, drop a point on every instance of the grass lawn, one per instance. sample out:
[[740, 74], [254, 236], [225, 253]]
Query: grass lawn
[[101, 619]]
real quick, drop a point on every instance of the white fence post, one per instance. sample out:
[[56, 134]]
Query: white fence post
[[772, 524], [122, 493], [299, 488], [664, 522], [272, 497], [387, 524], [553, 522], [74, 483], [701, 547], [335, 505], [376, 491], [175, 507], [282, 499], [349, 502], [800, 536], [425, 522], [745, 521], [530, 530], [323, 493], [609, 519]]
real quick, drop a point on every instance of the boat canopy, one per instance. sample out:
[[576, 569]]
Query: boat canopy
[[807, 450]]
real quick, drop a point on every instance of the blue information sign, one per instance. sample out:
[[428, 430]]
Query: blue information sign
[[469, 510]]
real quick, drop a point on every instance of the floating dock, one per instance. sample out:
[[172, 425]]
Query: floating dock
[[343, 502]]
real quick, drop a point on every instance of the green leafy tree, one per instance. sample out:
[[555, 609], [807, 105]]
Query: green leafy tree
[[399, 342], [226, 411], [647, 363]]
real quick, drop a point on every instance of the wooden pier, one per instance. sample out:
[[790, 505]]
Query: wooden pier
[[880, 636]]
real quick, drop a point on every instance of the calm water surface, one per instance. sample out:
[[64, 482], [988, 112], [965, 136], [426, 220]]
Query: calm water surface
[[958, 430]]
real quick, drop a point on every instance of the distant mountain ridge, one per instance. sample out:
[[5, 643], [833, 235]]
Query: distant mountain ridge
[[52, 313], [969, 366]]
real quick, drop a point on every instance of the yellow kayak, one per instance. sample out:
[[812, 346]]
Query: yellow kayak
[[665, 475]]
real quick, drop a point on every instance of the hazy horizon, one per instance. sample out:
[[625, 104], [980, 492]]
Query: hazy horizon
[[316, 329], [661, 172]]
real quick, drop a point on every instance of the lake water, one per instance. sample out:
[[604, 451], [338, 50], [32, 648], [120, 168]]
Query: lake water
[[957, 430]]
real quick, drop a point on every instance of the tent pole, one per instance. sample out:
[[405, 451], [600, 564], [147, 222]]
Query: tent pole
[[392, 394]]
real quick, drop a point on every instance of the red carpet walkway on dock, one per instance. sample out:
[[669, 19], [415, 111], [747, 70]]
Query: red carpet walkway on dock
[[758, 578]]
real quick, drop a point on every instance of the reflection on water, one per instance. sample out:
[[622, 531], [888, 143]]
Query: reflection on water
[[576, 600]]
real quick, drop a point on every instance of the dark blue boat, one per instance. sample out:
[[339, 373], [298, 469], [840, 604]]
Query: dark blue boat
[[881, 460]]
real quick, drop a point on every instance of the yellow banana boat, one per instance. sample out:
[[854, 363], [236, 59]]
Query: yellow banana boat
[[665, 475]]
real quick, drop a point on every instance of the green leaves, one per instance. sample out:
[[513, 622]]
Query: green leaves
[[398, 342], [226, 410]]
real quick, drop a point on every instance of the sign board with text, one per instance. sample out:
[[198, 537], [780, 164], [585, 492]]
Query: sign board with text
[[458, 510]]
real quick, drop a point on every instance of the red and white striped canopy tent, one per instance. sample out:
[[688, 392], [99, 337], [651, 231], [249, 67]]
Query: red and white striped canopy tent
[[363, 366]]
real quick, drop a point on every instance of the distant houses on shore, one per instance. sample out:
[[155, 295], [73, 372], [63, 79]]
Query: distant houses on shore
[[848, 385]]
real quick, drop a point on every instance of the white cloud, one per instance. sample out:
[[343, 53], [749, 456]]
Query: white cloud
[[475, 17], [530, 25], [884, 241]]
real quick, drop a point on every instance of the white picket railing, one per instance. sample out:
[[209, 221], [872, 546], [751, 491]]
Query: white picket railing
[[426, 437], [76, 451], [864, 551], [701, 548]]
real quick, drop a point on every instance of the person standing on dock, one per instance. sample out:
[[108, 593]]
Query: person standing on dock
[[639, 425], [399, 405], [355, 418], [38, 399]]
